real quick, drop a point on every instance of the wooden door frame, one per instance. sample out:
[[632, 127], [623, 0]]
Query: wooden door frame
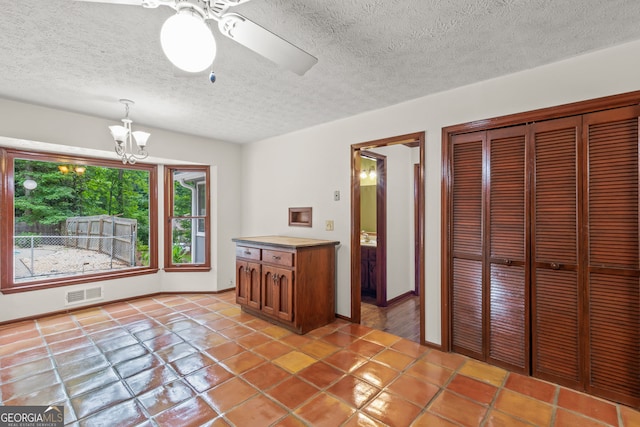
[[411, 140], [416, 226]]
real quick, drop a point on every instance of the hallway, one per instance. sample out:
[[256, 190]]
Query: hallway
[[401, 319]]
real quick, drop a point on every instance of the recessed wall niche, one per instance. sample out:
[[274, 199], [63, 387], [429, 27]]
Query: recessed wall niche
[[300, 217]]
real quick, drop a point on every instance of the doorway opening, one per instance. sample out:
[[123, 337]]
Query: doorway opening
[[402, 271], [373, 228]]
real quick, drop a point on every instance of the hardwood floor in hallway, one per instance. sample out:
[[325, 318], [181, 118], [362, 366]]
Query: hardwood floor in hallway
[[401, 319]]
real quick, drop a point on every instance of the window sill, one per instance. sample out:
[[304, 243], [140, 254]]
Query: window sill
[[187, 268], [68, 281]]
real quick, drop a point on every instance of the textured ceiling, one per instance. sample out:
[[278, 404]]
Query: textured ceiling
[[83, 57]]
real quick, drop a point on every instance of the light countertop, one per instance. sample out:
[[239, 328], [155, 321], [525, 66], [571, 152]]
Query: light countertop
[[285, 241]]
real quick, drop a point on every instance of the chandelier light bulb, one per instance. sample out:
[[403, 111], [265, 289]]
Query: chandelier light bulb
[[119, 133], [187, 41]]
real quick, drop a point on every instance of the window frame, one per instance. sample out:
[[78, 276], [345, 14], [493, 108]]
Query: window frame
[[169, 216], [7, 221]]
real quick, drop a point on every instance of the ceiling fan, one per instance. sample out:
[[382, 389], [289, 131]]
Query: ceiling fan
[[188, 43]]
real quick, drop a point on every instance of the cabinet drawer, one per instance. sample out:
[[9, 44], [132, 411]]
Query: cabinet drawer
[[278, 257], [248, 253]]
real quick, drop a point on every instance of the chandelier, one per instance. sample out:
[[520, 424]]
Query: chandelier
[[124, 138]]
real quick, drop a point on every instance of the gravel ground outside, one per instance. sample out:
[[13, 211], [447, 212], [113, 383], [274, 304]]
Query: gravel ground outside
[[50, 261]]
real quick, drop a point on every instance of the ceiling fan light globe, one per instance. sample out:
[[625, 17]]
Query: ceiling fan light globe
[[187, 41]]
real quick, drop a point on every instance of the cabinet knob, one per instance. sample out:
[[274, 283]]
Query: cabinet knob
[[555, 266], [507, 261], [276, 257], [246, 252]]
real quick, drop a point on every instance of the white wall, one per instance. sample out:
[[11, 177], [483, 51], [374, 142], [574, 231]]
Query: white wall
[[256, 183], [76, 133], [400, 233], [305, 167]]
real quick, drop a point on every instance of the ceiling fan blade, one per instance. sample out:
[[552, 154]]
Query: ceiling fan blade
[[127, 2], [265, 43]]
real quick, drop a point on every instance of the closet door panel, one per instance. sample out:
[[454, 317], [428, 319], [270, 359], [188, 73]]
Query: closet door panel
[[613, 222], [555, 203], [466, 244], [507, 193], [614, 351], [613, 191], [467, 195], [467, 307], [556, 326], [613, 343], [507, 325], [555, 229]]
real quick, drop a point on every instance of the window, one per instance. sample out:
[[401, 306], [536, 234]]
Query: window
[[201, 206], [70, 220], [187, 211]]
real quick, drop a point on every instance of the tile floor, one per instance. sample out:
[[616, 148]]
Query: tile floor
[[192, 360]]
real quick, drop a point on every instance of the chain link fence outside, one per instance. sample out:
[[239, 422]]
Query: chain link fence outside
[[37, 256]]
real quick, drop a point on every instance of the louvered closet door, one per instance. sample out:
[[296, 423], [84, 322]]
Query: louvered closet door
[[613, 268], [507, 317], [555, 276], [466, 243]]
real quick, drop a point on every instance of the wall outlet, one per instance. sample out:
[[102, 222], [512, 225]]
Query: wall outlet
[[336, 195], [328, 225]]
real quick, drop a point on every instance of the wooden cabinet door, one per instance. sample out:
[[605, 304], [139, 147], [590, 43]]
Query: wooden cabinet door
[[253, 286], [506, 299], [277, 292], [242, 282], [269, 293], [372, 266], [368, 271], [555, 253], [613, 270], [365, 289], [248, 283], [466, 245], [284, 286]]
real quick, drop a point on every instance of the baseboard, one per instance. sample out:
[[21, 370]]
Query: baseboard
[[102, 303], [348, 319], [401, 298], [433, 346]]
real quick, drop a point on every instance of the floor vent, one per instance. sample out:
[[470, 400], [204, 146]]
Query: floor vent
[[82, 295]]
